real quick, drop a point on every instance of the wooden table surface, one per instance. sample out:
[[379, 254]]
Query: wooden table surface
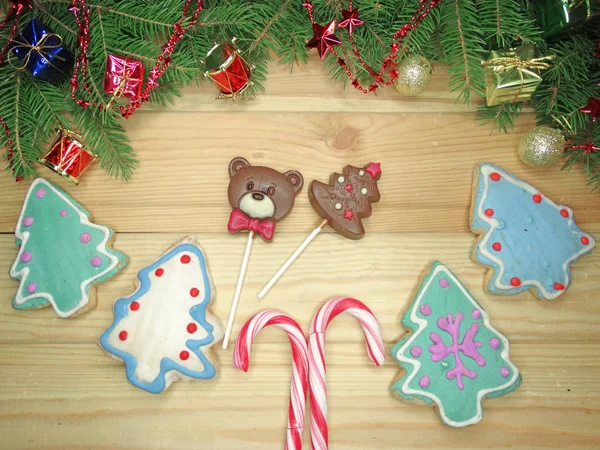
[[59, 391]]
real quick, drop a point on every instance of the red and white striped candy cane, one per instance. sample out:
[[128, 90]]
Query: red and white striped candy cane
[[241, 360], [316, 353]]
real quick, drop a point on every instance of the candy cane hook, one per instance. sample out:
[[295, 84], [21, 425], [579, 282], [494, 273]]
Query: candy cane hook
[[241, 360], [316, 353]]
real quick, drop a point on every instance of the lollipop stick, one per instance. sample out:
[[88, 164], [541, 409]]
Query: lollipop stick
[[291, 259], [238, 289]]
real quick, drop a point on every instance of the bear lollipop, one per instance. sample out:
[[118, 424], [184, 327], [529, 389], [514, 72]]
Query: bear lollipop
[[260, 197], [342, 204]]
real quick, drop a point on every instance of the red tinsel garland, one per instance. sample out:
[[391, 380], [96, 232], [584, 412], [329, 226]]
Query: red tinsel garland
[[324, 40]]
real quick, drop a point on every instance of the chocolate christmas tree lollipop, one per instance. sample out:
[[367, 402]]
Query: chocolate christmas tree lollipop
[[342, 204], [260, 197]]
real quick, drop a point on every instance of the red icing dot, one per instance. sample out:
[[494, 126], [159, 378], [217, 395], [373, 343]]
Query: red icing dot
[[489, 212], [123, 335], [134, 306], [585, 240], [194, 292], [495, 176], [159, 272], [184, 355], [537, 198], [497, 246], [348, 187], [192, 328], [559, 287], [564, 213], [515, 282], [185, 259]]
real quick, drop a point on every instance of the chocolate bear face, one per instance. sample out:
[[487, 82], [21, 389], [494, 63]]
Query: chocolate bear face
[[261, 192]]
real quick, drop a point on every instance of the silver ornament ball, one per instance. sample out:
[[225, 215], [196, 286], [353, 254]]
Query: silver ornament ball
[[542, 146], [414, 74]]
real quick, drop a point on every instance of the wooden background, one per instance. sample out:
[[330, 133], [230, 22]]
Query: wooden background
[[59, 391]]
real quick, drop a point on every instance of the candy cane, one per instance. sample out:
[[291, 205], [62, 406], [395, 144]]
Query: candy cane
[[241, 360], [316, 345]]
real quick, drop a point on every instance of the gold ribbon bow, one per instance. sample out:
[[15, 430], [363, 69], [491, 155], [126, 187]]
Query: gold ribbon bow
[[41, 48], [514, 62]]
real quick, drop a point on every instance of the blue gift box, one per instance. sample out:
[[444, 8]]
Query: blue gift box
[[42, 52]]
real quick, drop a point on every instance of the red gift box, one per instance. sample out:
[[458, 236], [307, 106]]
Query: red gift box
[[124, 77]]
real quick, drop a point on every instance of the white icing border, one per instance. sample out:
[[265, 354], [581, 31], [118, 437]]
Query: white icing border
[[482, 246], [24, 272], [417, 364]]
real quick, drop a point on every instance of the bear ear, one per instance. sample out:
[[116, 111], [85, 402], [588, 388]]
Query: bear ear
[[237, 165], [295, 179]]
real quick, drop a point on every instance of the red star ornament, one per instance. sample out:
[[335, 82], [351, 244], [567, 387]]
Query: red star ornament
[[348, 214], [323, 38], [373, 169], [592, 108], [350, 20]]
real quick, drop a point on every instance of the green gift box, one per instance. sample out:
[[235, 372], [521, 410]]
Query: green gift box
[[513, 74]]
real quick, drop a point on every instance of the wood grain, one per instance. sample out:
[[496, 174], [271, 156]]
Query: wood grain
[[59, 391]]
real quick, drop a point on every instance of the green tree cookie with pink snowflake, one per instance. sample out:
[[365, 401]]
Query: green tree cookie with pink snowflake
[[454, 357]]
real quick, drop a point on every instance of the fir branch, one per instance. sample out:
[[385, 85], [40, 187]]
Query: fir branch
[[463, 48], [268, 25], [109, 142]]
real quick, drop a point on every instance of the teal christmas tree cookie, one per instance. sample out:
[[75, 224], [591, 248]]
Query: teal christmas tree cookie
[[62, 254], [454, 357]]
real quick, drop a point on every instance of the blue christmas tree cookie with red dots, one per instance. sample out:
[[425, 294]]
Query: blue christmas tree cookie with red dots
[[453, 358], [164, 331], [526, 240], [62, 254]]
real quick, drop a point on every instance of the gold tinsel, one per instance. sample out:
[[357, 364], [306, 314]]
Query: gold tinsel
[[414, 74], [542, 146]]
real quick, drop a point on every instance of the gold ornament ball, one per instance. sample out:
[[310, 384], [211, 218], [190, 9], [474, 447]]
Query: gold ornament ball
[[542, 146], [414, 74]]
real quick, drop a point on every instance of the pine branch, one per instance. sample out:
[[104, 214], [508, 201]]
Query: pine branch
[[110, 142], [463, 48]]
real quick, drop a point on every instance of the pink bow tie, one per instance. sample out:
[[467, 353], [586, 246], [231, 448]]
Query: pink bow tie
[[239, 221]]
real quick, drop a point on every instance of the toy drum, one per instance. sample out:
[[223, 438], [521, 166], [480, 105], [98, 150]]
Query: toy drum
[[68, 156], [228, 70]]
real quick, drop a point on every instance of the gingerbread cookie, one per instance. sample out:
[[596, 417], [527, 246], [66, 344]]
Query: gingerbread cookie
[[62, 254], [260, 197], [453, 357], [163, 331], [347, 199], [526, 240]]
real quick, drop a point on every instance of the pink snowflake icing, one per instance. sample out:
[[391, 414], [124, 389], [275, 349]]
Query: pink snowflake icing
[[467, 347]]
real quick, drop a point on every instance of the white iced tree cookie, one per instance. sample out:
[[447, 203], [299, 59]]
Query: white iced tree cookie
[[163, 331]]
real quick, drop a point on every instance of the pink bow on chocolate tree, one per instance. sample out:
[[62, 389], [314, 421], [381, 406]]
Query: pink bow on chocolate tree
[[239, 221]]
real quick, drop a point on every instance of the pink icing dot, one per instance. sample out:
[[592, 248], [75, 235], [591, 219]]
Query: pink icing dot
[[425, 310], [96, 261], [32, 287], [26, 256], [476, 314], [416, 351], [85, 238], [494, 343], [40, 193], [425, 381], [63, 213], [27, 221], [504, 372], [444, 283]]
